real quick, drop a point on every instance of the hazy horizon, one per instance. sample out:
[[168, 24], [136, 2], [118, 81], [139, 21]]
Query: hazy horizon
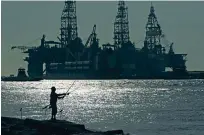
[[23, 22]]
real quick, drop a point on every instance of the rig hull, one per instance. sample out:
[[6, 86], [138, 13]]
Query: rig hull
[[165, 76]]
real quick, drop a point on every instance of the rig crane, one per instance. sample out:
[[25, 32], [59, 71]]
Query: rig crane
[[91, 36], [92, 39], [168, 44], [23, 48]]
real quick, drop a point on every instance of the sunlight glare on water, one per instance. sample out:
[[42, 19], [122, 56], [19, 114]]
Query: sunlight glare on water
[[142, 107]]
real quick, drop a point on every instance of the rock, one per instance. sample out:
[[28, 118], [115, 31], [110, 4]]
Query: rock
[[114, 132], [14, 126]]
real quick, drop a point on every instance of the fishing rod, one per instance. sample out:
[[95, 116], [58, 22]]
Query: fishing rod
[[67, 93], [69, 89], [46, 106], [72, 91]]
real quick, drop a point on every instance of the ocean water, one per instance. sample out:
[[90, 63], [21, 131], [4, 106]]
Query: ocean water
[[138, 107]]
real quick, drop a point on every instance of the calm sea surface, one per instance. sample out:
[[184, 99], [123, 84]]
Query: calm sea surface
[[140, 107]]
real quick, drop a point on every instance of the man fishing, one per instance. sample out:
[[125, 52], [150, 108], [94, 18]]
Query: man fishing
[[53, 101]]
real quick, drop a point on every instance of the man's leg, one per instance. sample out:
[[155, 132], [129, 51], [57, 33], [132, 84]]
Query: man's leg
[[52, 114], [55, 112]]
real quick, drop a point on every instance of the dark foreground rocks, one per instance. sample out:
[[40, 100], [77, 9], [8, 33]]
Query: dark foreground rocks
[[14, 126]]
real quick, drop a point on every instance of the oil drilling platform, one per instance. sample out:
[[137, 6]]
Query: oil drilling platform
[[69, 58]]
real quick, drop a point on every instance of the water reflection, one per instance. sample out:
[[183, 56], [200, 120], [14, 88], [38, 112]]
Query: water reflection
[[136, 106]]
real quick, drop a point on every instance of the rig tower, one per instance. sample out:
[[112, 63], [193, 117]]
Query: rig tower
[[153, 31], [121, 27], [68, 23]]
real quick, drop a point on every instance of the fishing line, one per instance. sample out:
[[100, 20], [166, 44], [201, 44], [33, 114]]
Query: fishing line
[[62, 107], [65, 96]]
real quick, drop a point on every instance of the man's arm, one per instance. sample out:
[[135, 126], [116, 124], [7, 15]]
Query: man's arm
[[60, 96], [63, 94]]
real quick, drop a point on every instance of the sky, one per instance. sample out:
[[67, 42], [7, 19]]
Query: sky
[[24, 23]]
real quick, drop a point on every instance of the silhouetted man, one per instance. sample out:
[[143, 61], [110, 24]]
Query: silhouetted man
[[53, 101]]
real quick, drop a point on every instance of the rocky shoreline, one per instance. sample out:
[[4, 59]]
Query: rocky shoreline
[[15, 126]]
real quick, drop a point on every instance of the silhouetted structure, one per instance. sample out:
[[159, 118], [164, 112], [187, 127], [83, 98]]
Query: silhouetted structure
[[71, 59], [153, 34], [121, 27], [68, 23]]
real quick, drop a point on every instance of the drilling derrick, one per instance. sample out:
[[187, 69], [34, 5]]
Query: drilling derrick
[[153, 32], [68, 23], [121, 28]]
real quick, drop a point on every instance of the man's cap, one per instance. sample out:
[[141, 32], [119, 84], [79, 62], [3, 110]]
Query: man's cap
[[53, 88]]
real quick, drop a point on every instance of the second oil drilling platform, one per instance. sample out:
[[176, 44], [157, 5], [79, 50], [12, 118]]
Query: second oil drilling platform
[[69, 58]]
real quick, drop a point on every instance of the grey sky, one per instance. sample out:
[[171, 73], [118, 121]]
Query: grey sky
[[23, 22]]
